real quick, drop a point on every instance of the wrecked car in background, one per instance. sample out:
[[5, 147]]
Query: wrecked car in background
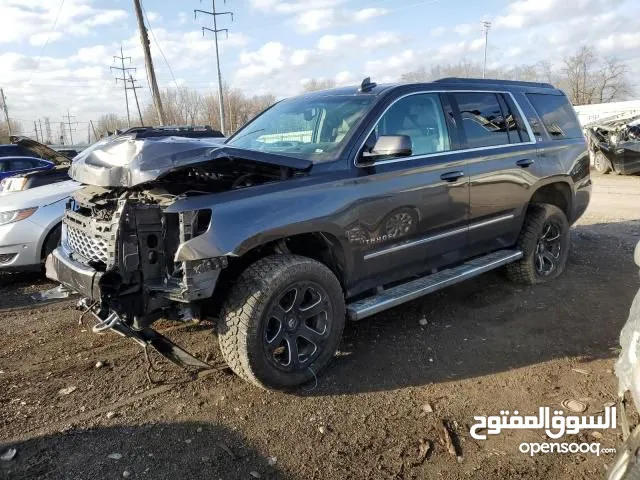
[[334, 204], [614, 144]]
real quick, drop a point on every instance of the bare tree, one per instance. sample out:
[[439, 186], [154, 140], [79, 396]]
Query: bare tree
[[612, 81], [4, 131], [322, 84], [108, 123], [588, 78]]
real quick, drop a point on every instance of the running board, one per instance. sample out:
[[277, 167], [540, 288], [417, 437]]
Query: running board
[[406, 292]]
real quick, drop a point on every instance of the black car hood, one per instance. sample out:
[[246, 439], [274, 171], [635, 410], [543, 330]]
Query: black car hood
[[41, 151], [125, 161]]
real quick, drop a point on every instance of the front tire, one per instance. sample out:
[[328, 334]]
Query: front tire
[[544, 241], [601, 163], [282, 321]]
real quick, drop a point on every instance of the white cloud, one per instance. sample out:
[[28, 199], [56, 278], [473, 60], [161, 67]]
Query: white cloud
[[438, 31], [464, 29], [368, 13], [21, 22], [40, 39]]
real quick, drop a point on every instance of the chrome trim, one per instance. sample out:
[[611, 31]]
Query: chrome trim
[[448, 152], [439, 236], [360, 310]]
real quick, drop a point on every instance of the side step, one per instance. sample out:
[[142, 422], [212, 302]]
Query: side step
[[430, 283]]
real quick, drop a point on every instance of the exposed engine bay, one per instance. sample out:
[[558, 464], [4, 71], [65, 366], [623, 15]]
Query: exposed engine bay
[[126, 236], [122, 233]]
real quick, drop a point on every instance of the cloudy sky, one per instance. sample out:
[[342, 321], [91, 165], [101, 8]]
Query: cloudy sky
[[275, 45]]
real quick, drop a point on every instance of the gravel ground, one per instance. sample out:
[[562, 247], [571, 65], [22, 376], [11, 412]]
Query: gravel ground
[[487, 345]]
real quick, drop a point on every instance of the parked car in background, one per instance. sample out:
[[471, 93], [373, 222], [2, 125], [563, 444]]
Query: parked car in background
[[42, 166], [338, 203], [30, 224]]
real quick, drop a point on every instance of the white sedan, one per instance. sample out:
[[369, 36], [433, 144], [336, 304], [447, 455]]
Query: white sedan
[[30, 224]]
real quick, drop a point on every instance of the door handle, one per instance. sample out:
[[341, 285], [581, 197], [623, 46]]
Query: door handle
[[525, 162], [452, 176]]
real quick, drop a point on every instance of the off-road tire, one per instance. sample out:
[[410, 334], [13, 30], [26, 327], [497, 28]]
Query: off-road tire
[[538, 215], [243, 316], [601, 163]]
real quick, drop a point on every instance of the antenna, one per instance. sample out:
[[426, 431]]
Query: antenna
[[367, 85]]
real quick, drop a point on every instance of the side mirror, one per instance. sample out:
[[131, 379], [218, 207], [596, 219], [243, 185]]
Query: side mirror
[[389, 146]]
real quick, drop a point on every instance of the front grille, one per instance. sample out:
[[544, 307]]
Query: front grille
[[90, 247]]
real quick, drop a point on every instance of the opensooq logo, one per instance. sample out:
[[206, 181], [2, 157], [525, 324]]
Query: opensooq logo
[[555, 426]]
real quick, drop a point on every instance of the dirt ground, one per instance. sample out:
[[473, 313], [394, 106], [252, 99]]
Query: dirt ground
[[487, 345]]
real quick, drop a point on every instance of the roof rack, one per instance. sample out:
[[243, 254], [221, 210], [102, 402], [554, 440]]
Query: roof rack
[[482, 81]]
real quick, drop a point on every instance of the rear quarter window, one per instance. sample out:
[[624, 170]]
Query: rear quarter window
[[557, 115]]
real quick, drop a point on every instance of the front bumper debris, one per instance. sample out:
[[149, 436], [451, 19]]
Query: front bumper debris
[[74, 275]]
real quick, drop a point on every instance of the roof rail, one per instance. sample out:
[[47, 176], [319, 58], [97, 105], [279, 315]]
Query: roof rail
[[482, 81]]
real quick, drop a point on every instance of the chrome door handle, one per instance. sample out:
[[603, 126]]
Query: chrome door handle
[[452, 176], [525, 162]]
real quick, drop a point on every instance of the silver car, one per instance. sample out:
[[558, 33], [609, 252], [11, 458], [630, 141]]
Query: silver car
[[30, 224]]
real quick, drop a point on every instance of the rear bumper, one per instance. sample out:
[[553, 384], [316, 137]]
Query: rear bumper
[[73, 275]]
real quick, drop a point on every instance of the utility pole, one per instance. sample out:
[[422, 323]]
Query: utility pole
[[62, 135], [135, 95], [41, 133], [486, 26], [151, 73], [95, 135], [215, 31], [6, 111], [47, 125], [124, 71], [35, 129], [71, 130]]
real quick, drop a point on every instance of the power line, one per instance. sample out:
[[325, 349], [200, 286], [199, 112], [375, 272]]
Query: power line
[[124, 79], [215, 31], [46, 43]]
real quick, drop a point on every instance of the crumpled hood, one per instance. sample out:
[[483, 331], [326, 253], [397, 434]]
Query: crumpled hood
[[126, 162]]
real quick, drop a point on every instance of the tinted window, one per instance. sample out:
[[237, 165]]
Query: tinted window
[[4, 166], [15, 151], [515, 123], [483, 121], [420, 117], [23, 164], [556, 114]]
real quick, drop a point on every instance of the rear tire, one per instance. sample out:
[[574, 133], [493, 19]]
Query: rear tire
[[601, 163], [544, 241], [282, 321]]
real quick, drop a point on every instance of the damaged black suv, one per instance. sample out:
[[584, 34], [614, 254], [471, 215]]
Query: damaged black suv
[[331, 205]]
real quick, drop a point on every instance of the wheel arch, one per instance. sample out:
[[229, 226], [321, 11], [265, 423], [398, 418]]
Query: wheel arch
[[558, 193]]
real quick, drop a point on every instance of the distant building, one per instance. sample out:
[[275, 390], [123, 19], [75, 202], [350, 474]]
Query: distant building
[[591, 113]]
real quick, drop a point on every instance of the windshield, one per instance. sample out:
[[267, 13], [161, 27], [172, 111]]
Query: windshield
[[309, 128]]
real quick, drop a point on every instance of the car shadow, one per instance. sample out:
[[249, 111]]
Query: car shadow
[[189, 450], [489, 325]]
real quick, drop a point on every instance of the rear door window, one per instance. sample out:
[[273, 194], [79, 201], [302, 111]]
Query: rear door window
[[484, 123], [557, 116]]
